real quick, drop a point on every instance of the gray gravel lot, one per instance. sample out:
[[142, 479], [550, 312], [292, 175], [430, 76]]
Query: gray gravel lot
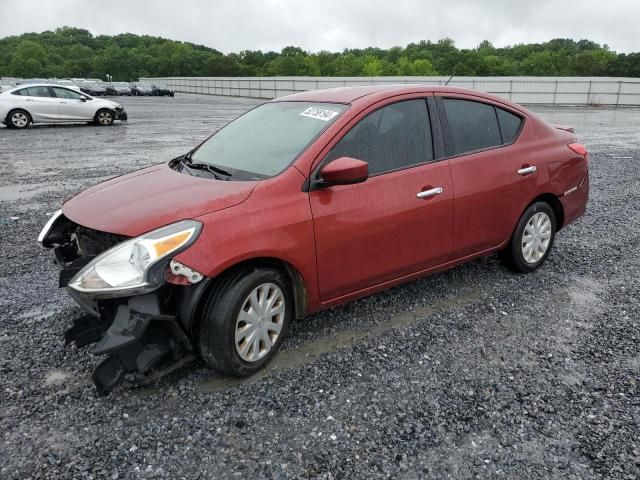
[[472, 373]]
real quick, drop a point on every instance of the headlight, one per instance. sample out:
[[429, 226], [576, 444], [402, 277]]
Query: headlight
[[135, 266]]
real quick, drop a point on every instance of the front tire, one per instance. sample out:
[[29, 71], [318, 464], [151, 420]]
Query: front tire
[[532, 239], [18, 119], [104, 117], [244, 321]]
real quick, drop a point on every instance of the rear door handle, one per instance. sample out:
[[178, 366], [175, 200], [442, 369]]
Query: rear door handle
[[527, 170], [430, 193]]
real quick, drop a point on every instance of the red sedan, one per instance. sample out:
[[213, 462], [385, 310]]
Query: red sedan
[[303, 203]]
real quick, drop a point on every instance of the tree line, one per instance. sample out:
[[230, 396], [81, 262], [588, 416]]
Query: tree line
[[71, 52]]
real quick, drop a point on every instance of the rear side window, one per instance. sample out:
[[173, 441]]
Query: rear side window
[[393, 137], [22, 91], [38, 91], [473, 125], [510, 125]]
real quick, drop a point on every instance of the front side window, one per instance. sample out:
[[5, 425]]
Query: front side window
[[473, 125], [38, 92], [66, 93], [265, 140], [393, 137]]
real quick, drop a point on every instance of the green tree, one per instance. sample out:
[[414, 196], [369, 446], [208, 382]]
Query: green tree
[[75, 52]]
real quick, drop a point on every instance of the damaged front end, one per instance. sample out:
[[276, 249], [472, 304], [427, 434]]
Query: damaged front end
[[139, 302]]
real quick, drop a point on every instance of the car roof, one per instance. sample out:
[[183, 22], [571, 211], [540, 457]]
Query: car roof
[[30, 85], [379, 92]]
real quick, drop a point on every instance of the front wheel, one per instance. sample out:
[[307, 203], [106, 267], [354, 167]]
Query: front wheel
[[244, 321], [104, 117], [18, 119], [532, 239]]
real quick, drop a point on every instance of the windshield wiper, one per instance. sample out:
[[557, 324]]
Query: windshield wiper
[[207, 167]]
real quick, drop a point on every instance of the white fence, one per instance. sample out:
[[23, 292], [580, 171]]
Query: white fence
[[525, 90]]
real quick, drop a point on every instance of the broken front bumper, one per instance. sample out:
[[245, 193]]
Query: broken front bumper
[[146, 335], [136, 337]]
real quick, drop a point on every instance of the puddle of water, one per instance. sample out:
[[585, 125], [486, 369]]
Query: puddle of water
[[56, 377], [41, 312], [306, 353], [25, 191]]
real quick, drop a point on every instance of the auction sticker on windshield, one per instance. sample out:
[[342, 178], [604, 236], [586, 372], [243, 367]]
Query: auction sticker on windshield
[[319, 113]]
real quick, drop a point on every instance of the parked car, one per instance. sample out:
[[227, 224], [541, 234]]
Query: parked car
[[118, 88], [161, 91], [31, 80], [68, 84], [50, 103], [141, 89], [304, 203], [4, 86], [93, 88]]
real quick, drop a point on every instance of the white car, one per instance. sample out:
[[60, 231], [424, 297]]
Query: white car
[[50, 103]]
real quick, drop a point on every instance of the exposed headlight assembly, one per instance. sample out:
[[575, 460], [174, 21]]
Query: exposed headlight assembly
[[137, 265]]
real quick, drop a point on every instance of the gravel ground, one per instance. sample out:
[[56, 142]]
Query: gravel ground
[[472, 373]]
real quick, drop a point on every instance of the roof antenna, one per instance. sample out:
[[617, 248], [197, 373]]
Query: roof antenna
[[452, 75]]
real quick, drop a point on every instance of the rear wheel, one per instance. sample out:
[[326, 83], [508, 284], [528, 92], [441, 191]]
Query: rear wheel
[[104, 117], [18, 119], [532, 239], [244, 321]]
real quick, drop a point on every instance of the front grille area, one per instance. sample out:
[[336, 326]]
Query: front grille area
[[73, 242]]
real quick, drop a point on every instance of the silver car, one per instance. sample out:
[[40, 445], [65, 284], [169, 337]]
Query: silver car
[[49, 103]]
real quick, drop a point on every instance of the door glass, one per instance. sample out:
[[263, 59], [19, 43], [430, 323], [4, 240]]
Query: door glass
[[509, 123], [38, 91], [393, 137], [473, 125], [66, 93]]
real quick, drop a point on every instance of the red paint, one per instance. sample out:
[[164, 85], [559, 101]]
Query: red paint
[[150, 198], [347, 241], [345, 171]]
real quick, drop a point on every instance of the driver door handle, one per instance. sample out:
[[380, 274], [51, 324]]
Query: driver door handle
[[527, 170], [430, 193]]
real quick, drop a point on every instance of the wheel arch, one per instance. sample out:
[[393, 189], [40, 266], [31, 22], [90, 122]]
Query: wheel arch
[[195, 299], [6, 118], [104, 107], [554, 202]]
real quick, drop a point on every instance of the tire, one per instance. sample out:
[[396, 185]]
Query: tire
[[104, 117], [19, 119], [532, 239], [227, 314]]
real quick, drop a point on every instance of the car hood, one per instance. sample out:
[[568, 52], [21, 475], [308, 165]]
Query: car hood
[[141, 201]]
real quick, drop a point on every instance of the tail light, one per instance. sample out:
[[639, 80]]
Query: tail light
[[579, 149]]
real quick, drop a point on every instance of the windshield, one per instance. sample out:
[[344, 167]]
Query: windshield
[[265, 140]]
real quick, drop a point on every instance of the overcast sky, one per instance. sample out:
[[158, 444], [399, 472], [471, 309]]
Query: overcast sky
[[234, 25]]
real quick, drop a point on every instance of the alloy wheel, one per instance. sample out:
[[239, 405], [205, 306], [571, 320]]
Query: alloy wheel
[[259, 322], [105, 118], [536, 237], [19, 120]]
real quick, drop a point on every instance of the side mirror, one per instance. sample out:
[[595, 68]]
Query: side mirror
[[344, 171], [83, 99]]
